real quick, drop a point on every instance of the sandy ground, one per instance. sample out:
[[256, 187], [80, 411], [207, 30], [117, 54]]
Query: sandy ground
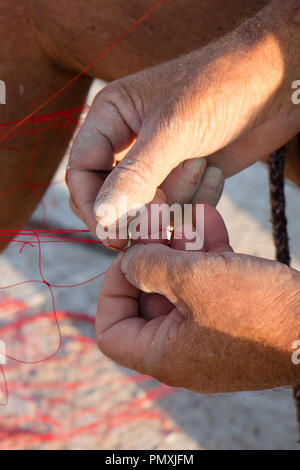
[[81, 400]]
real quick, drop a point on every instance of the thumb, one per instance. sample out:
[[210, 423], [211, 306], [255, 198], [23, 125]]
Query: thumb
[[149, 268], [134, 181]]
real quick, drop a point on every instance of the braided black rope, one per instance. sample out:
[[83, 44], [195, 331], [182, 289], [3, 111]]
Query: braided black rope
[[280, 232]]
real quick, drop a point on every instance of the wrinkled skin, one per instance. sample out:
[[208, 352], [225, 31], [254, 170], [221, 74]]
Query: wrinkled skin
[[208, 320], [232, 318], [229, 102]]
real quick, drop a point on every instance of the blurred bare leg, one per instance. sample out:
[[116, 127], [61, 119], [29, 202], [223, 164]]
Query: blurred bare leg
[[31, 154]]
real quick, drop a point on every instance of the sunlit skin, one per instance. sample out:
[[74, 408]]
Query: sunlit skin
[[172, 98], [235, 317], [209, 320], [229, 102]]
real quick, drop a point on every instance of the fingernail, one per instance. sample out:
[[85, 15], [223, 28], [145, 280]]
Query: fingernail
[[210, 187], [194, 169], [127, 258], [98, 211], [110, 225], [182, 182], [72, 200], [125, 263]]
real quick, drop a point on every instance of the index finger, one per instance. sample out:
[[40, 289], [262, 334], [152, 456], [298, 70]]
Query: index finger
[[103, 134]]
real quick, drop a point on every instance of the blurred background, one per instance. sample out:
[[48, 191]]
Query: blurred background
[[78, 399]]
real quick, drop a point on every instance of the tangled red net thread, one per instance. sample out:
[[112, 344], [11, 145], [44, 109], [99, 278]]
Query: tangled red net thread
[[48, 428], [18, 429]]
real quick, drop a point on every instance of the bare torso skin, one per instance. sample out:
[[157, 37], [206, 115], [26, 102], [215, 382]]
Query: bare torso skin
[[44, 43]]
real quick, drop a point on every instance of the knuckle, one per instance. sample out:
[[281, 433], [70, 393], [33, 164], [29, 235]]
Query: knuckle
[[114, 94], [137, 169], [124, 98]]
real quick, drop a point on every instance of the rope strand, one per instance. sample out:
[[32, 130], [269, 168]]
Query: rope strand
[[280, 232]]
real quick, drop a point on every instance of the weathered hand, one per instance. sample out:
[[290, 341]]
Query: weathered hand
[[210, 321], [230, 102]]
